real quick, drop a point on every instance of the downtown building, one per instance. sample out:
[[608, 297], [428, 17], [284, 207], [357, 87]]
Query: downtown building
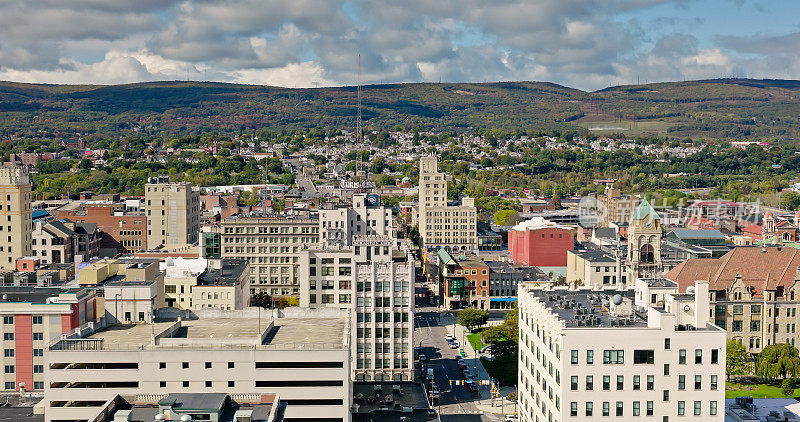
[[453, 227], [173, 213], [357, 266], [648, 353], [272, 244], [16, 224]]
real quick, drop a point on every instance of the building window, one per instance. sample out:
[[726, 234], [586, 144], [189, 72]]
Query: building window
[[10, 385], [666, 344], [589, 383], [666, 369], [231, 384], [8, 320], [698, 356], [9, 369], [681, 382], [162, 365], [162, 384], [573, 408], [713, 382], [682, 356], [185, 365], [636, 408], [208, 365], [9, 353], [186, 384], [715, 356], [681, 408], [37, 319], [208, 384], [613, 357], [697, 408], [666, 395], [698, 382], [636, 382], [712, 408], [573, 381], [620, 406], [230, 364], [574, 357], [590, 357], [606, 382], [38, 336], [651, 381], [643, 356], [589, 408], [8, 336], [606, 408]]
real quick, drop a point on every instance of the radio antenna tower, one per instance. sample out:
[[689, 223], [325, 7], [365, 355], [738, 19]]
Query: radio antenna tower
[[359, 134]]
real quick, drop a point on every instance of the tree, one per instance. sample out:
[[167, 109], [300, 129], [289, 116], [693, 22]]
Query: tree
[[778, 361], [286, 302], [491, 335], [736, 358], [471, 317], [506, 217], [787, 387], [261, 300]]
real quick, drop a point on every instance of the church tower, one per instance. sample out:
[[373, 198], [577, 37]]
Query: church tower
[[644, 241]]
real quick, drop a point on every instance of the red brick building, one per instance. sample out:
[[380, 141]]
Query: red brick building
[[540, 243], [122, 232]]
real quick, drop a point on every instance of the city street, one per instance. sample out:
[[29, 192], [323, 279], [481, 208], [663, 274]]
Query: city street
[[456, 401]]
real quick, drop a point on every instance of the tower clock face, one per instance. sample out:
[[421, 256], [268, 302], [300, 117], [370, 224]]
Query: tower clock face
[[648, 224]]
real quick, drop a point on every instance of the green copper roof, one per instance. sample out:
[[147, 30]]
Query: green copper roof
[[444, 256], [643, 210]]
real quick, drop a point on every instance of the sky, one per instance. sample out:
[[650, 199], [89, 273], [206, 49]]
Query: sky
[[585, 44]]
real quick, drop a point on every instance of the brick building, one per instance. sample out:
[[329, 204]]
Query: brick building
[[540, 243], [122, 232]]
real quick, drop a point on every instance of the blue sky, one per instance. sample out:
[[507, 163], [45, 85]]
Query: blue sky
[[586, 44]]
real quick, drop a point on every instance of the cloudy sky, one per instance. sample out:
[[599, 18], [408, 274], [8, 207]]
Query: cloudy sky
[[587, 44]]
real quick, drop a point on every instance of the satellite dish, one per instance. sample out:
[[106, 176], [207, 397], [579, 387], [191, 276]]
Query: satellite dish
[[690, 290], [617, 299]]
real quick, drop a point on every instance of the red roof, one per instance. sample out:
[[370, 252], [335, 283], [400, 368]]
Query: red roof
[[761, 269]]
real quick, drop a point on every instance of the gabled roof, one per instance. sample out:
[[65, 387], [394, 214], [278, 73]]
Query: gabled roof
[[643, 210], [760, 268], [697, 234]]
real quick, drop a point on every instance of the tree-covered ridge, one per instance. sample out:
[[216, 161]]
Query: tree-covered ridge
[[718, 109]]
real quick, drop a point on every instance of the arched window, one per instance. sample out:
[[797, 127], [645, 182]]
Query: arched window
[[646, 254]]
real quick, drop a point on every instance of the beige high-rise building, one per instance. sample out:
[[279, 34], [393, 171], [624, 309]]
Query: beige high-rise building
[[173, 213], [272, 244], [441, 225], [616, 207], [15, 216]]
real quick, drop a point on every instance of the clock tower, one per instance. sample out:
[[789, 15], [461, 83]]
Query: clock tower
[[644, 241]]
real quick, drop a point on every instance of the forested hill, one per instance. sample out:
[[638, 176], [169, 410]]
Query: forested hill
[[713, 109]]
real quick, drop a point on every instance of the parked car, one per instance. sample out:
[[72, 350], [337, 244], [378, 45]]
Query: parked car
[[472, 385], [448, 336], [422, 358], [454, 345], [510, 418], [465, 372], [462, 365]]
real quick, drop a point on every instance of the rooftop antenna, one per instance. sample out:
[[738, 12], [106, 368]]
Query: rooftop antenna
[[359, 134]]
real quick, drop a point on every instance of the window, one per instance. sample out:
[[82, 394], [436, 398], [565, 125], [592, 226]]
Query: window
[[230, 364], [162, 384], [643, 356], [681, 408], [714, 356], [37, 320], [606, 382], [573, 408], [208, 365], [37, 353], [682, 356], [574, 357], [698, 382], [208, 384], [38, 369], [698, 356], [162, 365], [9, 353], [8, 320], [613, 357], [589, 408], [666, 369], [231, 384], [666, 395], [620, 406], [755, 309], [649, 408], [651, 380], [620, 382], [573, 382], [697, 408], [681, 382], [590, 357], [606, 408], [185, 365], [713, 382], [170, 288], [636, 408], [636, 382], [9, 369], [589, 383], [666, 344], [738, 309], [10, 385], [186, 384], [712, 408], [38, 336]]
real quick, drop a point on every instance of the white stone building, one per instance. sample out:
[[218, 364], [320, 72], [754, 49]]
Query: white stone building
[[603, 355]]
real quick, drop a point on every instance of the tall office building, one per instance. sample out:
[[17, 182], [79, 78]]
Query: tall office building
[[358, 266], [15, 216], [441, 225], [173, 213], [650, 352], [272, 244]]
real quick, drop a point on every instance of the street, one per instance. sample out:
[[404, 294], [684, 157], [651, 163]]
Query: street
[[456, 401]]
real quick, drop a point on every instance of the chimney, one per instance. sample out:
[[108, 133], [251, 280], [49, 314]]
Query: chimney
[[701, 303]]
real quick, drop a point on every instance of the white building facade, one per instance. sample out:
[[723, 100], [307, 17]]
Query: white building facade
[[589, 355]]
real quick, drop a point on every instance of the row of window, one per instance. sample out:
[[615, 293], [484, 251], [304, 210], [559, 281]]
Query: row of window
[[36, 319], [10, 336], [619, 408], [644, 356], [636, 385]]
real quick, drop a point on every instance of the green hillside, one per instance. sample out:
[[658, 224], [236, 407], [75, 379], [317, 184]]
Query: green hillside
[[715, 109]]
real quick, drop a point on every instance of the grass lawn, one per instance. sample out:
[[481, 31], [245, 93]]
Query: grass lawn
[[758, 391], [475, 340], [503, 369]]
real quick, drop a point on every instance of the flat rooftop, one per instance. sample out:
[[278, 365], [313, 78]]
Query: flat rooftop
[[588, 309], [286, 332]]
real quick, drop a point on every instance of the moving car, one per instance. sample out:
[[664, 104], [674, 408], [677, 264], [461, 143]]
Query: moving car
[[448, 337], [422, 358], [454, 345], [471, 385], [462, 365]]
